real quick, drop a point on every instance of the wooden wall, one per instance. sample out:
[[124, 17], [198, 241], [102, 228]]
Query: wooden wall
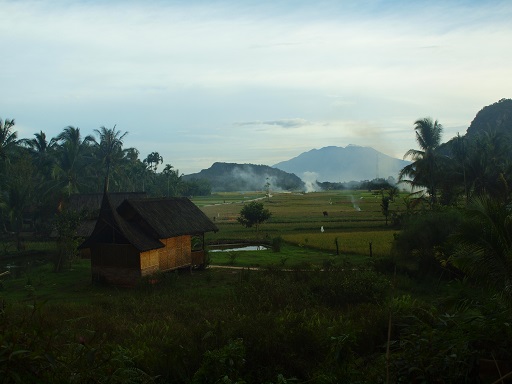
[[176, 253], [121, 264], [116, 264]]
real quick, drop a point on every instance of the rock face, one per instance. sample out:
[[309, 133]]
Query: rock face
[[343, 164], [228, 177], [496, 117]]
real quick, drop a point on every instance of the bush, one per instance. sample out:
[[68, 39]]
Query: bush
[[276, 244], [423, 241]]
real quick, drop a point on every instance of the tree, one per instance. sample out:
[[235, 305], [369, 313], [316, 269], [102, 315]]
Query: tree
[[424, 170], [153, 159], [253, 214], [8, 139], [384, 205], [109, 148], [483, 243], [173, 179], [71, 154]]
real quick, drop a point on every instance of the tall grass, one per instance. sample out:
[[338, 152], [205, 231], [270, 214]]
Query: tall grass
[[349, 242]]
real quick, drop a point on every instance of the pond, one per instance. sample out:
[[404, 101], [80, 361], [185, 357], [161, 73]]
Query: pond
[[237, 247]]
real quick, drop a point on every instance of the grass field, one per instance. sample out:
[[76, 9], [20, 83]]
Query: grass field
[[354, 219]]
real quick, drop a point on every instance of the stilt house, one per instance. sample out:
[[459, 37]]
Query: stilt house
[[144, 236]]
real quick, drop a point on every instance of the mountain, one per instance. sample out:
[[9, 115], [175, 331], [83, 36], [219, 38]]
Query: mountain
[[343, 164], [228, 177], [491, 119], [495, 117]]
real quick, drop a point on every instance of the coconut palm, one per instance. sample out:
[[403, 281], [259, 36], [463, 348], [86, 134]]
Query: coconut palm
[[41, 149], [8, 138], [109, 148], [72, 155], [424, 170]]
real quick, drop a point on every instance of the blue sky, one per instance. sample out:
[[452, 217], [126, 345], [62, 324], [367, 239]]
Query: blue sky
[[252, 82]]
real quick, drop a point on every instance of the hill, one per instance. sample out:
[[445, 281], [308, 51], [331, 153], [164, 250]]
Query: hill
[[228, 177], [495, 117], [343, 164], [491, 119]]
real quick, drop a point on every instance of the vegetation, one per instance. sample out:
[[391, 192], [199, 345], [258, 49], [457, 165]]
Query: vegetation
[[253, 214], [358, 286], [37, 175]]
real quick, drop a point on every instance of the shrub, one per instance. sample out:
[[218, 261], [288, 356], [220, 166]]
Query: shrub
[[423, 241]]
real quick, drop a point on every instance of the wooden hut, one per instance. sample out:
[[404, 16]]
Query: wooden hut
[[144, 236]]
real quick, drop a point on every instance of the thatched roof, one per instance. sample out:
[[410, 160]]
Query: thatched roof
[[91, 202], [168, 217], [143, 222]]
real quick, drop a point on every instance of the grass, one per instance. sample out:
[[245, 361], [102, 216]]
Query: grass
[[290, 256], [306, 315]]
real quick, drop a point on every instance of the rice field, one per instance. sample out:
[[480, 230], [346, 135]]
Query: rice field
[[352, 219]]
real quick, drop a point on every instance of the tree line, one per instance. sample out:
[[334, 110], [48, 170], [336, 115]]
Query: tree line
[[465, 225], [37, 174]]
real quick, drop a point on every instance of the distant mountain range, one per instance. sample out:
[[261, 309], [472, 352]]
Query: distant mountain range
[[340, 164], [333, 164], [343, 164]]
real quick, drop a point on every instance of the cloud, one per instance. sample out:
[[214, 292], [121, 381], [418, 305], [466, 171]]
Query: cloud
[[282, 123], [357, 72]]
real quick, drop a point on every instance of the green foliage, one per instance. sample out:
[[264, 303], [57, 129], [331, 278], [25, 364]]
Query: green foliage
[[222, 365], [385, 207], [32, 352], [232, 256], [253, 214], [66, 225], [422, 243], [482, 246], [276, 244]]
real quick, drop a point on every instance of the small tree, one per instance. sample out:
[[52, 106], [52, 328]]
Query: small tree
[[384, 205], [66, 224], [253, 214]]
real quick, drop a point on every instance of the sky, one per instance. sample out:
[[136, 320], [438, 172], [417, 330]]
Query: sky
[[252, 81]]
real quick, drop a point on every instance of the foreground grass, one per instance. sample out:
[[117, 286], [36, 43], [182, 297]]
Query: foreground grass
[[289, 256], [189, 327], [225, 325], [306, 315]]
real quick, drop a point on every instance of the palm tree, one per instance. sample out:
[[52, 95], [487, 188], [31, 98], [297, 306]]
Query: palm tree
[[41, 150], [71, 156], [153, 159], [423, 171], [109, 148], [173, 178], [8, 139]]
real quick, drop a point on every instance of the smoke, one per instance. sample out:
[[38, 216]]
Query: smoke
[[249, 180], [309, 179], [354, 203]]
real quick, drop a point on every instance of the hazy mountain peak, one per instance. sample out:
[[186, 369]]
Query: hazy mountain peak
[[343, 164]]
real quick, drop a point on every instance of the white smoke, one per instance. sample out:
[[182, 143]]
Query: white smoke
[[354, 203], [254, 181], [309, 179]]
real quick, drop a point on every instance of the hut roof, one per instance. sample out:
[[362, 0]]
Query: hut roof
[[112, 224], [143, 222], [168, 217], [91, 202]]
